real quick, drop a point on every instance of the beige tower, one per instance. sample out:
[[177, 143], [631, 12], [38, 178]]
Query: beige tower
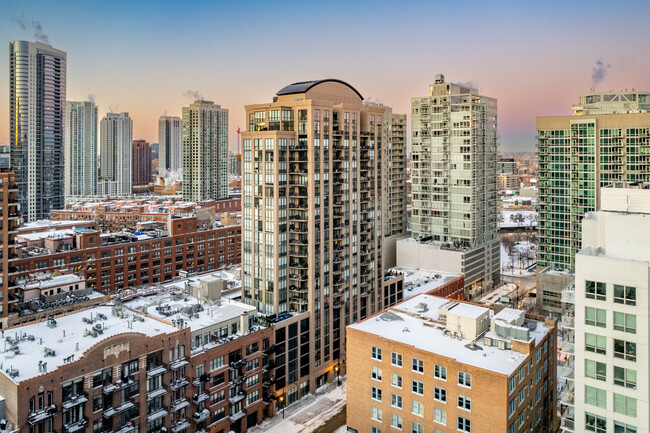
[[312, 215]]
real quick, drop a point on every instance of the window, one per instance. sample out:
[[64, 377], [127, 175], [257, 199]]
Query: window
[[375, 430], [522, 373], [416, 427], [625, 350], [512, 384], [417, 408], [440, 416], [375, 413], [375, 373], [624, 295], [512, 405], [375, 353], [595, 423], [595, 370], [625, 322], [464, 424], [625, 377], [522, 395], [418, 365], [625, 405], [595, 343], [417, 387], [440, 372], [595, 317], [464, 379], [396, 359], [375, 393], [216, 363], [595, 396], [396, 380], [595, 290], [538, 395], [440, 394], [396, 421], [464, 402], [522, 418], [620, 427], [396, 401]]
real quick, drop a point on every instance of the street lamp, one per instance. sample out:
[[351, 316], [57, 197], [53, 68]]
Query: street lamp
[[282, 403], [338, 377]]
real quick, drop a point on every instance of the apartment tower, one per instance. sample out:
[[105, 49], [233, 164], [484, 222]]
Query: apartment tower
[[606, 346], [170, 144], [81, 165], [455, 145], [37, 79], [10, 219], [205, 151], [116, 150], [312, 213], [141, 162]]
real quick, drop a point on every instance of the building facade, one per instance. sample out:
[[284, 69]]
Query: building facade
[[116, 155], [141, 162], [396, 177], [5, 157], [205, 151], [170, 144], [455, 145], [312, 212], [579, 154], [81, 164], [37, 91], [432, 364], [606, 317], [10, 219]]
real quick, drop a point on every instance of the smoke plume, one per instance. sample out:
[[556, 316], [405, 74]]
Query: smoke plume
[[91, 97], [194, 95], [598, 72], [34, 26]]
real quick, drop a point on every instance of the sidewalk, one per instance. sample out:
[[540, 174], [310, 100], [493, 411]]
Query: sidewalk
[[307, 414]]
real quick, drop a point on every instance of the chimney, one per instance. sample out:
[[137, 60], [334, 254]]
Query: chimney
[[243, 323]]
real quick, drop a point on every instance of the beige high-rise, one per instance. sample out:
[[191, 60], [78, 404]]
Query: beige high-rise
[[312, 214]]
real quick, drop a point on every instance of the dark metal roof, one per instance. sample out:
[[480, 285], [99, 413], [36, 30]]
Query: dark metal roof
[[304, 86]]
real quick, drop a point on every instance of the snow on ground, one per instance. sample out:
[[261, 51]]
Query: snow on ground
[[518, 218], [307, 414], [511, 266]]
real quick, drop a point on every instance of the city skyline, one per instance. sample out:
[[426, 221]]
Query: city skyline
[[128, 67]]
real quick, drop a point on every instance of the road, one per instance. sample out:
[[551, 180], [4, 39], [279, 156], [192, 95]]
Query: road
[[333, 423]]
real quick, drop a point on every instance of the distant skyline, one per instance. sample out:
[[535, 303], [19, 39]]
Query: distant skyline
[[151, 58]]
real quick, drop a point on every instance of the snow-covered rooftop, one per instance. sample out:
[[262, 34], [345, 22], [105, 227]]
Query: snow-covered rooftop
[[415, 322], [68, 339], [422, 281], [59, 280]]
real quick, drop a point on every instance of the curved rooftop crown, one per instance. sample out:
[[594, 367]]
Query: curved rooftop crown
[[304, 86]]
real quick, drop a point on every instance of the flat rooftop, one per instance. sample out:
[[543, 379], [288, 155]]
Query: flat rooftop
[[415, 322], [422, 281], [69, 339]]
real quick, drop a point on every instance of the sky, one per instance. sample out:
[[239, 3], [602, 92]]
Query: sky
[[146, 57]]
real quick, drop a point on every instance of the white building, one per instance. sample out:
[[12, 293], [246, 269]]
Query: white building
[[116, 152], [81, 168], [608, 365], [454, 147], [170, 142], [205, 151]]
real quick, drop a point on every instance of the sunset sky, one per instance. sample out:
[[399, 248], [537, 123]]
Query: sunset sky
[[144, 56]]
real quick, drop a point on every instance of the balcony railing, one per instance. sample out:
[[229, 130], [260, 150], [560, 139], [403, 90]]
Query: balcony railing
[[42, 414], [75, 426]]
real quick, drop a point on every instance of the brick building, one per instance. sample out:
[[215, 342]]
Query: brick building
[[433, 364], [9, 222], [141, 162]]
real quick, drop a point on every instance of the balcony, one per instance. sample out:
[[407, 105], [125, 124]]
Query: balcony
[[568, 397], [568, 371], [198, 398], [181, 362], [568, 420], [568, 296], [200, 416], [156, 393], [117, 386], [76, 426], [127, 428], [568, 321], [179, 404], [180, 426], [119, 409], [74, 400], [159, 413], [178, 383], [42, 414]]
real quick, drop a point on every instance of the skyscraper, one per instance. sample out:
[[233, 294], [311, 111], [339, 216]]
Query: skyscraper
[[205, 151], [37, 79], [116, 150], [81, 167], [606, 140], [141, 162], [312, 216], [170, 144], [454, 145], [606, 346]]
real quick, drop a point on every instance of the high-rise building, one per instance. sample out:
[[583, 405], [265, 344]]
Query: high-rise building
[[606, 354], [170, 144], [432, 364], [141, 162], [454, 146], [5, 156], [313, 216], [81, 167], [205, 151], [396, 176], [9, 222], [115, 153], [37, 86], [506, 166], [606, 141]]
